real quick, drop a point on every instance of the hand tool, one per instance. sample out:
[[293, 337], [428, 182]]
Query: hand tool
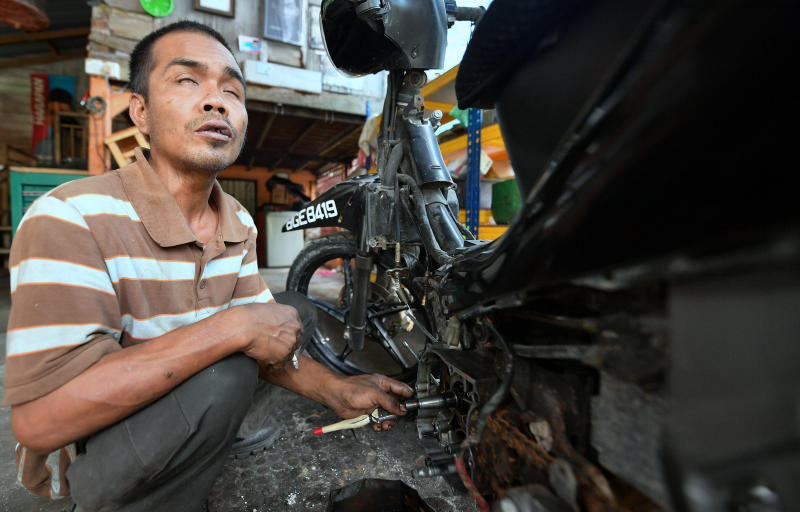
[[380, 415]]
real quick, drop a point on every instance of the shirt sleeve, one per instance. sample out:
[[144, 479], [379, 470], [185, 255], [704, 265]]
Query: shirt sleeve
[[250, 286], [64, 309]]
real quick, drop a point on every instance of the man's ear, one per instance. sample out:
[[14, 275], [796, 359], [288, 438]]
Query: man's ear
[[137, 109]]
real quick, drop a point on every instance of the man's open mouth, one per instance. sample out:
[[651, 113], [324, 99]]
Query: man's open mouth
[[217, 130]]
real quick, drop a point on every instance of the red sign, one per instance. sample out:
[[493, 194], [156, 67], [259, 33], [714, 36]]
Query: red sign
[[39, 92]]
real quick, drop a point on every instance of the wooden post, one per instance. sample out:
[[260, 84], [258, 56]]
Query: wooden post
[[100, 123]]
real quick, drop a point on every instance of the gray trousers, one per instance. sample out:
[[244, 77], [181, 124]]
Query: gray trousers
[[168, 455]]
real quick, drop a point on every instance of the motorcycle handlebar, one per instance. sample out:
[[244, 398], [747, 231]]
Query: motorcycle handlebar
[[473, 14]]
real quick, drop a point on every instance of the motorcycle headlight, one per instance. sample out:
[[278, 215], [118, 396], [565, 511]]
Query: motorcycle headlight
[[367, 36]]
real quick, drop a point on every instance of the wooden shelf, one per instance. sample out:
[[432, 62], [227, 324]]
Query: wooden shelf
[[484, 179], [491, 232], [485, 231], [490, 136]]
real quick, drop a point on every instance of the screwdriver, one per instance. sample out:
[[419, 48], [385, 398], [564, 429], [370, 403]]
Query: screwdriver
[[379, 415]]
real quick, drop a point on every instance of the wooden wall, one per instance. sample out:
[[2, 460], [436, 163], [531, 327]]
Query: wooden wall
[[16, 122], [118, 24]]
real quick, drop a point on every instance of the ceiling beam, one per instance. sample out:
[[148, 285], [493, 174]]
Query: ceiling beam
[[330, 145], [270, 154], [262, 137], [308, 113], [26, 37], [310, 126], [338, 139], [40, 59], [299, 138]]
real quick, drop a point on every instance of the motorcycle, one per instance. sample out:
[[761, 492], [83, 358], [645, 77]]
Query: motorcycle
[[630, 342]]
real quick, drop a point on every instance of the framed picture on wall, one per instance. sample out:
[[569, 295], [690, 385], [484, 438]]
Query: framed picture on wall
[[223, 7], [283, 21]]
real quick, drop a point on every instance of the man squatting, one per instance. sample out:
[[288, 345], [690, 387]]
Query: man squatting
[[139, 320]]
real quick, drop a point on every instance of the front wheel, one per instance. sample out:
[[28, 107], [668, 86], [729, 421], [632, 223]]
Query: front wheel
[[323, 271]]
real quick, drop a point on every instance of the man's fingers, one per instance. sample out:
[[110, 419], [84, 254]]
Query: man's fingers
[[384, 426], [395, 386], [390, 403], [391, 385], [387, 393]]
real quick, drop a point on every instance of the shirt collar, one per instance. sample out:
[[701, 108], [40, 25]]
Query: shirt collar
[[160, 214]]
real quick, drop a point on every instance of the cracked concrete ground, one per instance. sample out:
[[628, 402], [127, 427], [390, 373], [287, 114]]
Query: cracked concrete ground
[[299, 470], [295, 473]]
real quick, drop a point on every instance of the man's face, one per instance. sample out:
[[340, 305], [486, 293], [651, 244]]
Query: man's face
[[196, 118]]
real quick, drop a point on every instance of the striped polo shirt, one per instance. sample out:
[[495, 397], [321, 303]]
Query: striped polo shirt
[[109, 261]]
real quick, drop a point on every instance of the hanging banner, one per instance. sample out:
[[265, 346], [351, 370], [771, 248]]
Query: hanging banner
[[39, 91]]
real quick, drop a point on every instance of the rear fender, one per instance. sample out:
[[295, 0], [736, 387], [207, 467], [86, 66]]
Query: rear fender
[[339, 206]]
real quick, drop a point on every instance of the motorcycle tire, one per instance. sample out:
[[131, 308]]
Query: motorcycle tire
[[327, 344]]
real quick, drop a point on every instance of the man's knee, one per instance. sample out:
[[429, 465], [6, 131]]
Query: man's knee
[[305, 309], [226, 388], [179, 433]]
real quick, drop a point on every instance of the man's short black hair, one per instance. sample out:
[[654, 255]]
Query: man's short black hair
[[141, 63]]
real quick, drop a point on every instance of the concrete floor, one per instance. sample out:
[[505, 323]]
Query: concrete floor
[[295, 473]]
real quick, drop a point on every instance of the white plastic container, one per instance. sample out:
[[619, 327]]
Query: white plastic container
[[282, 248]]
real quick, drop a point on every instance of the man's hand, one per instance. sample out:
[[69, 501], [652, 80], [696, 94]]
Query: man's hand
[[271, 332], [361, 394]]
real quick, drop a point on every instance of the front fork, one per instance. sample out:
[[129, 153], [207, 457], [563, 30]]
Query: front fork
[[357, 316]]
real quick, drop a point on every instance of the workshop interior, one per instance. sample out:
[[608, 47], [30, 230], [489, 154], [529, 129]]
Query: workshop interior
[[569, 225]]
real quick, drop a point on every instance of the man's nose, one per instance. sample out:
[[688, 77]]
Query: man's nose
[[213, 102]]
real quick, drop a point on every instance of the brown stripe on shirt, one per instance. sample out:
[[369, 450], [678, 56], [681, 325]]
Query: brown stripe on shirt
[[45, 304]]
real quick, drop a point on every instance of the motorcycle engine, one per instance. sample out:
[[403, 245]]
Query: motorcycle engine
[[462, 382], [518, 433]]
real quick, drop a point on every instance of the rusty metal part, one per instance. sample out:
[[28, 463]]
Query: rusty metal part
[[593, 490], [552, 404]]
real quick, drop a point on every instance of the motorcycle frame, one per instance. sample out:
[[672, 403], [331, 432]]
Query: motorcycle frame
[[410, 201]]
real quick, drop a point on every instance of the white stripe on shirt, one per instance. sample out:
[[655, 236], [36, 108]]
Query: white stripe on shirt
[[52, 207], [40, 271], [35, 339], [161, 324], [99, 204], [249, 269], [125, 267], [223, 266], [246, 219], [261, 298]]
